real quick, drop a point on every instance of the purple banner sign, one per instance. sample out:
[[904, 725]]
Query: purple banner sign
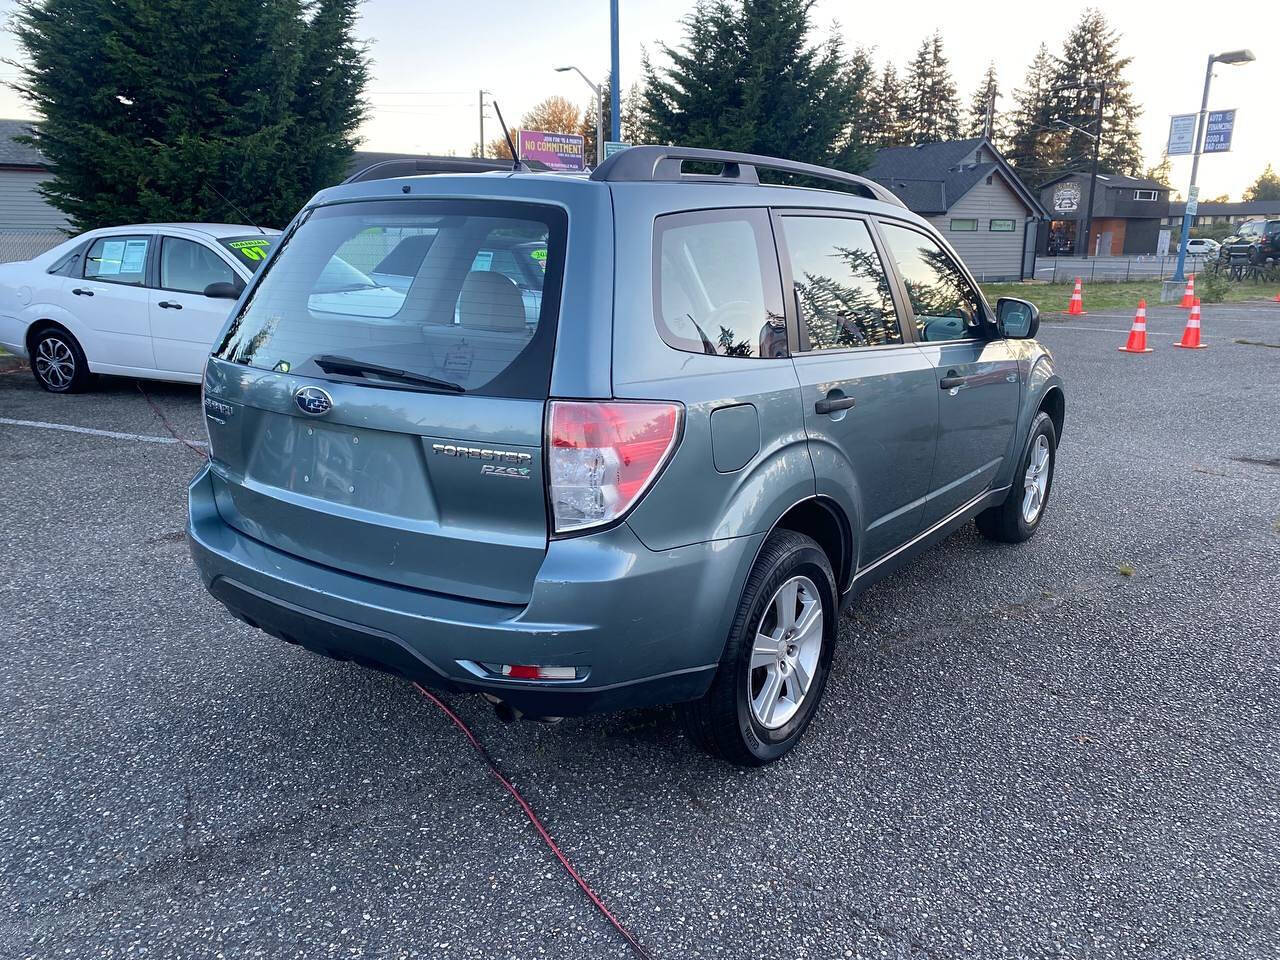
[[555, 151]]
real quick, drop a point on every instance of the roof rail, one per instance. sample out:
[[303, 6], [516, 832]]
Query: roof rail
[[417, 166], [650, 163]]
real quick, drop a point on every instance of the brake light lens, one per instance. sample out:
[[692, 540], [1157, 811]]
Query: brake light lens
[[602, 456]]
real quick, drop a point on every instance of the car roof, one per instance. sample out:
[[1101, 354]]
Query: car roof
[[216, 231]]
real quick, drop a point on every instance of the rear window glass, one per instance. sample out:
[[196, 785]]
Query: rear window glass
[[718, 287], [118, 260], [251, 251], [441, 289]]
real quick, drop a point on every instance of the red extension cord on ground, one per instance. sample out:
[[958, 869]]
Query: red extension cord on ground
[[635, 944]]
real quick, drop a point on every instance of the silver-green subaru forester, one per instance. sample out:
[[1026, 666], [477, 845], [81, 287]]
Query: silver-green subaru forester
[[583, 443]]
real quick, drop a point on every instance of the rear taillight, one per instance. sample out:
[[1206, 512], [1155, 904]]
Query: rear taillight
[[601, 456]]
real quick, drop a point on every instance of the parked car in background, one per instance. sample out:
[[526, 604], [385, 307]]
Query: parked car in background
[[736, 407], [143, 300], [1255, 240], [1203, 247]]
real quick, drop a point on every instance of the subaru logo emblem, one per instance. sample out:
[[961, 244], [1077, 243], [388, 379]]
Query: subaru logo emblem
[[313, 401]]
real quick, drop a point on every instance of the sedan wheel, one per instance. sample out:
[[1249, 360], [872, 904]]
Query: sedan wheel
[[58, 362]]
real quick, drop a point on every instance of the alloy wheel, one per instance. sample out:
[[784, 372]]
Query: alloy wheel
[[784, 657], [1036, 482], [55, 363]]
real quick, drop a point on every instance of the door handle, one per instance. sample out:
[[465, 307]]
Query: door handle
[[169, 305], [82, 292], [951, 381], [830, 404]]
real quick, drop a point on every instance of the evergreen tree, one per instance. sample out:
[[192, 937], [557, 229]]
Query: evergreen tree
[[746, 77], [1266, 187], [1034, 145], [855, 147], [1089, 59], [933, 108], [884, 124], [148, 104], [984, 98], [1162, 172]]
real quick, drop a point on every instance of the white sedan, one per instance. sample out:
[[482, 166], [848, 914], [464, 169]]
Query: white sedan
[[138, 301]]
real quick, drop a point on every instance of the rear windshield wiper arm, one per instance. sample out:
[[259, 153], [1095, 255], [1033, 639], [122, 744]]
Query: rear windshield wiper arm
[[333, 364]]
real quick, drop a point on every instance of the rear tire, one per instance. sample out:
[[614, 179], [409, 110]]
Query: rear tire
[[759, 704], [58, 363], [1018, 517]]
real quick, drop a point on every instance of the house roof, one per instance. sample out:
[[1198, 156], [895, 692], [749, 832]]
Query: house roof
[[931, 177], [14, 154], [1113, 180], [1246, 208]]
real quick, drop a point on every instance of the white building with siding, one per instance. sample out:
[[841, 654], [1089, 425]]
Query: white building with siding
[[973, 198], [29, 225]]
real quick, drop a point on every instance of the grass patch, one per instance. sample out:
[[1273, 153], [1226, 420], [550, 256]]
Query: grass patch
[[1054, 298], [1125, 570]]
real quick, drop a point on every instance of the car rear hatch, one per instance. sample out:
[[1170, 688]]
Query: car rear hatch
[[392, 426]]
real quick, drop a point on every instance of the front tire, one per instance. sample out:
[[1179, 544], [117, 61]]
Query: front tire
[[58, 362], [1018, 517], [776, 661]]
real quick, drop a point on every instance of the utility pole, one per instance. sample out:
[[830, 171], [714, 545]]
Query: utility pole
[[1093, 178], [482, 93], [615, 103]]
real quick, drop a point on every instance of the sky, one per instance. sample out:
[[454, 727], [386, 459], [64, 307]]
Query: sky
[[431, 58]]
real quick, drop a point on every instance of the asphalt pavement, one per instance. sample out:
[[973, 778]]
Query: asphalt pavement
[[1067, 748]]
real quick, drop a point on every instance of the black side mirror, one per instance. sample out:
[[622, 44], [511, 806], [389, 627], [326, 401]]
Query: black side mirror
[[223, 291], [1019, 318]]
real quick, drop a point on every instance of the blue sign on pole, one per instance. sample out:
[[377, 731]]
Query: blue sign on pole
[[1217, 135]]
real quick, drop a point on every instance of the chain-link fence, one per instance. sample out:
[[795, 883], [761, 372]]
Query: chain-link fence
[[1115, 269], [25, 244]]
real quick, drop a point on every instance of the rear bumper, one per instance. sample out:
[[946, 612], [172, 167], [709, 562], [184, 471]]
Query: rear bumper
[[647, 628]]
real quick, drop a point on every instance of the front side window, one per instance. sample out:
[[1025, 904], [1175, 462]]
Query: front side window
[[842, 290], [718, 290], [189, 267], [946, 305], [118, 260], [403, 293]]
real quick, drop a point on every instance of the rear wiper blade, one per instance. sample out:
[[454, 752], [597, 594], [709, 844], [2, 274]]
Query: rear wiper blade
[[334, 364]]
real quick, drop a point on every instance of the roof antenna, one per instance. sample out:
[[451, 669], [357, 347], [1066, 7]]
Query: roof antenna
[[236, 209], [511, 144]]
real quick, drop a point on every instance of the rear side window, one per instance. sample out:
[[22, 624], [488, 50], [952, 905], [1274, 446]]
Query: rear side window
[[344, 291], [842, 289], [717, 288], [118, 260]]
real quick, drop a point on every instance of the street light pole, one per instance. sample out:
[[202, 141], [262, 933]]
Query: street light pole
[[615, 114], [482, 93], [1202, 122], [599, 92], [1093, 179]]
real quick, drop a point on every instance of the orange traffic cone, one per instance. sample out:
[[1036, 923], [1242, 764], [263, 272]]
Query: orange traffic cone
[[1277, 298], [1138, 334], [1077, 302], [1191, 335], [1189, 295]]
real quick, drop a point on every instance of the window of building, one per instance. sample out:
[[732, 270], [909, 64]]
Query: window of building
[[1145, 194], [963, 225], [842, 290], [1003, 226], [719, 290]]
